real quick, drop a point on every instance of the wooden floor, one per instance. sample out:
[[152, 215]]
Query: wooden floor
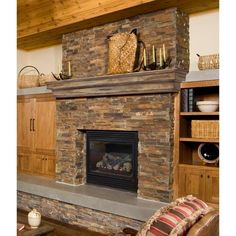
[[60, 229]]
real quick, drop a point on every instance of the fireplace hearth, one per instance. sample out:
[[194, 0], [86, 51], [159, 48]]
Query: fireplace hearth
[[111, 158]]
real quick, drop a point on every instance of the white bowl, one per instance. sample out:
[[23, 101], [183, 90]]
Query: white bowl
[[208, 106]]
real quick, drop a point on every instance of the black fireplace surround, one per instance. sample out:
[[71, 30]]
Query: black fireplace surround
[[112, 158]]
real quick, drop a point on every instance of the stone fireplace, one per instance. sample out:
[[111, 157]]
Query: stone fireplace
[[141, 102]]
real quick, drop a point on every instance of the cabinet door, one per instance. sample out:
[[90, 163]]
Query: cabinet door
[[49, 164], [212, 186], [38, 164], [191, 181], [24, 123], [24, 163], [44, 124]]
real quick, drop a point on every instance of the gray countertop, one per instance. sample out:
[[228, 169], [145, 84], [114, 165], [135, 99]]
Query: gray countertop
[[119, 202], [34, 90]]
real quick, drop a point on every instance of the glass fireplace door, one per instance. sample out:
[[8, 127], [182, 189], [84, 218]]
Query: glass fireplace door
[[112, 158]]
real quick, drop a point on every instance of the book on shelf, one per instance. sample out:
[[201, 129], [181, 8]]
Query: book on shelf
[[187, 100], [190, 100], [184, 100], [20, 226]]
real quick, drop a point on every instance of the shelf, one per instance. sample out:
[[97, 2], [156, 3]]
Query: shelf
[[200, 140], [204, 167], [195, 176], [195, 113], [200, 84]]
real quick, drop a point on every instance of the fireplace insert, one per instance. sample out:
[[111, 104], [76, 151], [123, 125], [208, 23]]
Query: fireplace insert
[[112, 158]]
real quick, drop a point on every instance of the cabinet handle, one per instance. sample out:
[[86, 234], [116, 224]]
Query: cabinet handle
[[33, 124], [201, 175], [30, 124], [208, 176]]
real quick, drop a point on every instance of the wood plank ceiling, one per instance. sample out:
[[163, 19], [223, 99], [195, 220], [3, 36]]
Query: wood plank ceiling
[[42, 23]]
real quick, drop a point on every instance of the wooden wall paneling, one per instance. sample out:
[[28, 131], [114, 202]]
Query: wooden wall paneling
[[42, 23]]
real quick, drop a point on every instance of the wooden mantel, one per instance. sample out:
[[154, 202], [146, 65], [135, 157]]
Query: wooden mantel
[[42, 23], [145, 82]]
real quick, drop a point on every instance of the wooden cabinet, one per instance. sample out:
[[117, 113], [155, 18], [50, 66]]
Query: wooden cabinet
[[202, 182], [195, 176], [191, 181], [212, 186], [44, 164], [24, 162], [36, 134]]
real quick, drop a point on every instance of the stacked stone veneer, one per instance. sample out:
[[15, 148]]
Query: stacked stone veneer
[[94, 220], [150, 115], [87, 49]]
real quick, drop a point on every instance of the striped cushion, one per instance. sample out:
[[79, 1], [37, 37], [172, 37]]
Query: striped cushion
[[176, 218]]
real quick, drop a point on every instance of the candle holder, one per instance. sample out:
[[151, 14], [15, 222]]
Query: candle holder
[[157, 66], [61, 76]]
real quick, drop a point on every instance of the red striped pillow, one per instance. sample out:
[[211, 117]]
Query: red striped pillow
[[176, 218]]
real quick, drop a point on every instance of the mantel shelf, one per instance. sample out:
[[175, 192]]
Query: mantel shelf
[[144, 82]]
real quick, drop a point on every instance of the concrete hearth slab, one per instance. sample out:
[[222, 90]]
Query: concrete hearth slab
[[118, 202]]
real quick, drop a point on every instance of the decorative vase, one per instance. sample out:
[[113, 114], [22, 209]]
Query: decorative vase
[[34, 218]]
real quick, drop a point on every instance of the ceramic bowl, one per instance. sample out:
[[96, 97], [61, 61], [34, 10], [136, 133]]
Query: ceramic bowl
[[34, 218], [208, 106]]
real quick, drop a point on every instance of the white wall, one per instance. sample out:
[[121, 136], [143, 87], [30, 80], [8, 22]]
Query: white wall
[[204, 35], [46, 60], [204, 40]]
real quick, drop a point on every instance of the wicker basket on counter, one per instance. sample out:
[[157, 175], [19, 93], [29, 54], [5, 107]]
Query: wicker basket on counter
[[208, 62], [33, 80], [205, 128], [25, 80]]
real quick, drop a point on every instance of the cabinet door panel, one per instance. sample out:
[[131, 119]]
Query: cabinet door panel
[[38, 164], [44, 124], [192, 181], [50, 164], [212, 186], [24, 123], [24, 163]]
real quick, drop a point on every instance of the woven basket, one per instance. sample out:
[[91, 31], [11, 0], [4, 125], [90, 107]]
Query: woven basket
[[121, 54], [28, 81], [45, 78], [205, 129], [208, 62]]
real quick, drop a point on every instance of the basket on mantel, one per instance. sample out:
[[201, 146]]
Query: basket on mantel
[[205, 129]]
